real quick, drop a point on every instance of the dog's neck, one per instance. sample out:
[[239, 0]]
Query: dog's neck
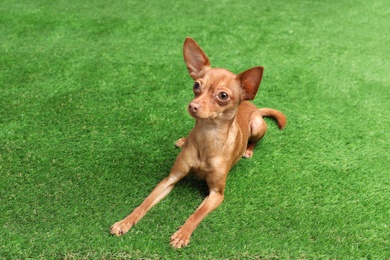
[[219, 133]]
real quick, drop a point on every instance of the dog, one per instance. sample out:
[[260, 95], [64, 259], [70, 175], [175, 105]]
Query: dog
[[227, 127]]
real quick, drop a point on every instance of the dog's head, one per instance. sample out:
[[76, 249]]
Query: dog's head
[[218, 92]]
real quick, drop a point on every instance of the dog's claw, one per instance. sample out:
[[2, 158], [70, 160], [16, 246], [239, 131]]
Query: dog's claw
[[180, 239], [248, 154], [120, 228]]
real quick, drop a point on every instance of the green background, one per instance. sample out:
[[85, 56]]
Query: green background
[[93, 95]]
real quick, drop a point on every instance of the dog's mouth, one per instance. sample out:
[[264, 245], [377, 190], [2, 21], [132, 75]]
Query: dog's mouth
[[200, 116]]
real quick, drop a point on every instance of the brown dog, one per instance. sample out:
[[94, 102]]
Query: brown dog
[[226, 129]]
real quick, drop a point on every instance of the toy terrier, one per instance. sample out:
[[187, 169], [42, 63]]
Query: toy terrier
[[227, 127]]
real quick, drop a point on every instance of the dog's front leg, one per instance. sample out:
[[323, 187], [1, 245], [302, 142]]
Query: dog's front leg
[[182, 237], [161, 190], [179, 170]]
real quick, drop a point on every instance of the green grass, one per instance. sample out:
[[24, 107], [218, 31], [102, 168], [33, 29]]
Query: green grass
[[93, 96]]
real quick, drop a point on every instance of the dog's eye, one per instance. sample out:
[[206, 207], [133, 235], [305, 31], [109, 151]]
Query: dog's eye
[[196, 86], [223, 96]]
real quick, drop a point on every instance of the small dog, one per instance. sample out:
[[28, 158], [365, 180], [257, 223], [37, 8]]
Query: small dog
[[227, 128]]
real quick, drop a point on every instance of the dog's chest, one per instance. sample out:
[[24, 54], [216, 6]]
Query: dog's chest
[[213, 150], [207, 165], [212, 159]]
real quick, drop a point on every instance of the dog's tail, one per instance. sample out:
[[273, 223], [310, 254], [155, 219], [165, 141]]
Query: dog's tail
[[279, 116]]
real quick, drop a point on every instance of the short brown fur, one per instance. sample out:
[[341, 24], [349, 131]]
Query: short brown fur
[[227, 127]]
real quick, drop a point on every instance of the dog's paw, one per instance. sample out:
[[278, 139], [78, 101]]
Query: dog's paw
[[120, 228], [179, 143], [248, 154], [180, 239]]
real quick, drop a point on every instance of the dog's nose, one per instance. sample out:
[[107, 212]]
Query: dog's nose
[[194, 107]]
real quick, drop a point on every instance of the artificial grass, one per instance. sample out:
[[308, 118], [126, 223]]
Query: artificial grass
[[93, 96]]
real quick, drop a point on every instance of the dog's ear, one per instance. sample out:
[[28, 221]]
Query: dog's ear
[[196, 60], [250, 81]]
